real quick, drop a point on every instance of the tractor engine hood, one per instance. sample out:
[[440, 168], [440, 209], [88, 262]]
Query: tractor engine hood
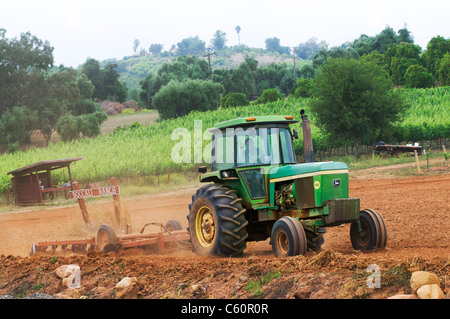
[[291, 172]]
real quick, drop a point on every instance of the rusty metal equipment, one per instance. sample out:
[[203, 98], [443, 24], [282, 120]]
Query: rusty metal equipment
[[170, 236]]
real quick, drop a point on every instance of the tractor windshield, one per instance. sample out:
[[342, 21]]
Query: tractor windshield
[[236, 147]]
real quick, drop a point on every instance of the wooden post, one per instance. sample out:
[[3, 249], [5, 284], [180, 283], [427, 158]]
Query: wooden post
[[417, 162], [116, 200], [82, 205], [7, 195]]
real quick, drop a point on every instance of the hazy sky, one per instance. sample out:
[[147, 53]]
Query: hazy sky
[[107, 29]]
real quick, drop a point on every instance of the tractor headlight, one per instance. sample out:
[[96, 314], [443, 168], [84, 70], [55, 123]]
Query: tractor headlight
[[225, 174]]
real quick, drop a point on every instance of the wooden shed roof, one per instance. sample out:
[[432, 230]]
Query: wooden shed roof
[[45, 166]]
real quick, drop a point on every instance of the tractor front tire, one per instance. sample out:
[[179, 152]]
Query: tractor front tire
[[217, 223], [288, 237], [373, 231]]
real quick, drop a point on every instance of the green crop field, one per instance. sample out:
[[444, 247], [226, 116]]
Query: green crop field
[[147, 149]]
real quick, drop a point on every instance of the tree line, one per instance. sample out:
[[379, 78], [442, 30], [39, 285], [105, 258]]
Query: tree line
[[37, 96]]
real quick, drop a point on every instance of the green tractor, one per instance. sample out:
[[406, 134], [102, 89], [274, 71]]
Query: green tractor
[[256, 190]]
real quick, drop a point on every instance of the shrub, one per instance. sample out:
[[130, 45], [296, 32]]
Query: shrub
[[417, 76], [234, 99], [270, 95], [180, 98]]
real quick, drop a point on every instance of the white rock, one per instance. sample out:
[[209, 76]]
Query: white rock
[[66, 270], [125, 282], [432, 291], [421, 278]]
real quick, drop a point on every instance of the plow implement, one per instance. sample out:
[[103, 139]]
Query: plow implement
[[170, 236]]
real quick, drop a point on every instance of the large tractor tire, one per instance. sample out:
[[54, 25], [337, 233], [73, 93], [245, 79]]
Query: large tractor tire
[[288, 237], [373, 234], [217, 224]]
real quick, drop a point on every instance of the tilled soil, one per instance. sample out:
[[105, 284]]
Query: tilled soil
[[415, 210]]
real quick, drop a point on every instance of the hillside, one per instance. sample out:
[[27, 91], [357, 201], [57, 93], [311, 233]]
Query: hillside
[[133, 69]]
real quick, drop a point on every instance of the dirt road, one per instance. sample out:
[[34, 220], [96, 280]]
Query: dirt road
[[415, 210]]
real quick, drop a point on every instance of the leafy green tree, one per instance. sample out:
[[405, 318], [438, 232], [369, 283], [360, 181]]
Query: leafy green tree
[[219, 39], [399, 57], [16, 126], [180, 69], [106, 81], [191, 46], [308, 49], [416, 76], [19, 58], [270, 95], [179, 98], [234, 99], [437, 47], [444, 70], [155, 48], [354, 100], [303, 88], [273, 45]]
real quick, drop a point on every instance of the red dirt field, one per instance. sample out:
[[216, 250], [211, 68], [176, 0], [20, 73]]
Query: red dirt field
[[415, 210]]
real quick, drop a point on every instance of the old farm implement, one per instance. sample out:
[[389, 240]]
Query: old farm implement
[[170, 235]]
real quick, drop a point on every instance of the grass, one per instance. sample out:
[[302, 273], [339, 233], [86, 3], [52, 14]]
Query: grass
[[255, 287]]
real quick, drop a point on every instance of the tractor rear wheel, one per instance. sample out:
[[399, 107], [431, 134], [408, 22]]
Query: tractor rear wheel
[[288, 237], [373, 231], [217, 224]]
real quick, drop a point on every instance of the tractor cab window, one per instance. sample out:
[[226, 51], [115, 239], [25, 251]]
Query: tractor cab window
[[238, 147]]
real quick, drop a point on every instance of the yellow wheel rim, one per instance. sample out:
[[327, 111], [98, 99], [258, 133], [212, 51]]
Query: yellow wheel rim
[[205, 227], [282, 242]]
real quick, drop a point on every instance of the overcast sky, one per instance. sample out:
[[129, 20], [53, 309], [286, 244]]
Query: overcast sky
[[100, 29]]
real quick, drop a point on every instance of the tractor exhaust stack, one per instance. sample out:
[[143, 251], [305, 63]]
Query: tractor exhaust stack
[[307, 139]]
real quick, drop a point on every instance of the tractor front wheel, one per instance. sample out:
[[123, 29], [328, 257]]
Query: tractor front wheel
[[369, 232], [288, 237], [217, 224]]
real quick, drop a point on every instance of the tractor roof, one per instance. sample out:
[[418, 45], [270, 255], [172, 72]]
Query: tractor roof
[[252, 121]]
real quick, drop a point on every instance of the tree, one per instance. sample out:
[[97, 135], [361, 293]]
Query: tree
[[19, 58], [308, 49], [16, 126], [179, 98], [106, 81], [354, 100], [219, 39], [155, 48], [437, 47], [399, 57], [185, 67], [273, 45], [444, 70], [191, 46], [233, 100], [136, 46], [238, 30], [416, 76], [270, 95]]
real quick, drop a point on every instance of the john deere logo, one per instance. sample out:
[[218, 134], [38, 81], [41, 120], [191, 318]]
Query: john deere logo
[[336, 182]]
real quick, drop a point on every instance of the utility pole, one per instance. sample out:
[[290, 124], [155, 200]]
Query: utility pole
[[293, 49], [209, 60]]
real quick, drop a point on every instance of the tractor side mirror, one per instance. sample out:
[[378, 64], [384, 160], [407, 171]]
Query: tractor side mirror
[[202, 169], [295, 134]]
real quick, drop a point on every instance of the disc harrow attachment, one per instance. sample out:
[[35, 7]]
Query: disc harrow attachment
[[170, 236]]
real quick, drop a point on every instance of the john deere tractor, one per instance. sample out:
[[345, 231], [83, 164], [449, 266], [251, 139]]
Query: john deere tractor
[[256, 190]]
